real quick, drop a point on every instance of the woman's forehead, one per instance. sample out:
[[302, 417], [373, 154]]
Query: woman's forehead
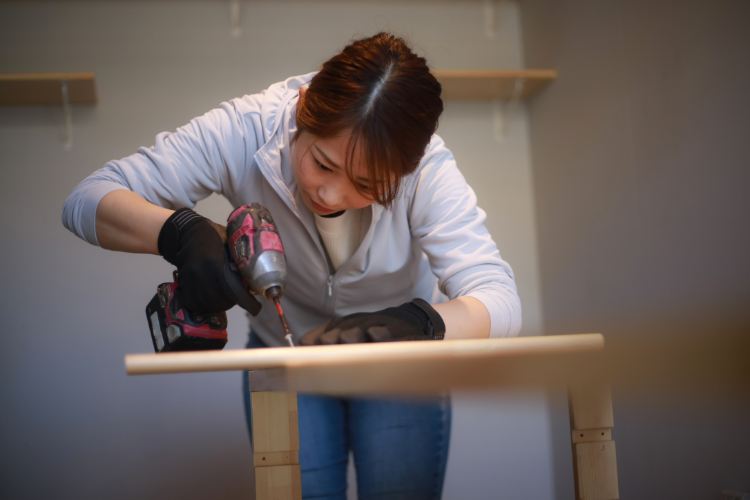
[[336, 151]]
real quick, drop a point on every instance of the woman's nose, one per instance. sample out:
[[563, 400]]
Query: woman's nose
[[331, 194]]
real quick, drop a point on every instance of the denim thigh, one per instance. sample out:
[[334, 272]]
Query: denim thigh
[[400, 447]]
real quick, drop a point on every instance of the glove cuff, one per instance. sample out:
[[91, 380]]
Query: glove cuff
[[435, 326], [168, 243]]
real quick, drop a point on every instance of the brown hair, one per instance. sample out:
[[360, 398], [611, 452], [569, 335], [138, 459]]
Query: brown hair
[[384, 93]]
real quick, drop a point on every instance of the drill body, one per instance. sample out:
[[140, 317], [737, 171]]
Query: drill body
[[255, 252]]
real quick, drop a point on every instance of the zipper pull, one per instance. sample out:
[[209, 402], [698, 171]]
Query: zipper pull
[[330, 285]]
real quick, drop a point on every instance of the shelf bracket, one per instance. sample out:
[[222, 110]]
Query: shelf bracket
[[489, 19], [235, 28], [501, 111], [67, 117]]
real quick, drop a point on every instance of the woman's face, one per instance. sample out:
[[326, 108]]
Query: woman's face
[[318, 167]]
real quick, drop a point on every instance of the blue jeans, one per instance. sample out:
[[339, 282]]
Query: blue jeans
[[400, 447]]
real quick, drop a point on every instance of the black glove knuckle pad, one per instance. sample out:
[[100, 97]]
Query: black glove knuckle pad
[[416, 320]]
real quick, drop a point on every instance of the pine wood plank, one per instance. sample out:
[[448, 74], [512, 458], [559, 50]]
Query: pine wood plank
[[591, 407], [491, 84], [281, 482], [45, 89], [275, 421], [597, 469], [270, 458], [594, 461]]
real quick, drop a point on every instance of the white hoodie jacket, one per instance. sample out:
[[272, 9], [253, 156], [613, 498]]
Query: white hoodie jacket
[[431, 244]]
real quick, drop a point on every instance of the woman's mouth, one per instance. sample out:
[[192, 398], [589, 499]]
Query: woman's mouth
[[320, 208]]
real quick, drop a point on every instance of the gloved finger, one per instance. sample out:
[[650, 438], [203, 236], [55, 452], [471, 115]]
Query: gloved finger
[[330, 337], [379, 334], [222, 230], [352, 336], [312, 337], [201, 299]]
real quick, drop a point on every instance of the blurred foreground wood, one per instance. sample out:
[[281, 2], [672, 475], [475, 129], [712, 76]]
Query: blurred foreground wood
[[636, 367], [387, 368]]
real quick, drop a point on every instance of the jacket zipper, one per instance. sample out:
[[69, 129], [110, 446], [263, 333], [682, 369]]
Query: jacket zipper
[[329, 282]]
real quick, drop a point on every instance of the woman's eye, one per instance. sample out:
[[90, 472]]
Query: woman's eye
[[364, 187], [321, 166]]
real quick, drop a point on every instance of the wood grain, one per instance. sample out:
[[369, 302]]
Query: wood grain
[[275, 421], [594, 461], [597, 466], [281, 482], [591, 407]]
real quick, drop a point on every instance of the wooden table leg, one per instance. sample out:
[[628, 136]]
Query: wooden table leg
[[276, 445], [594, 460]]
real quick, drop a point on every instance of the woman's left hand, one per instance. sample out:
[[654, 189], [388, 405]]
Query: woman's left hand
[[415, 320]]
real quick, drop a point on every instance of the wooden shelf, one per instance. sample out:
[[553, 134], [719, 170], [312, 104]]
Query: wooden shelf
[[491, 84], [45, 89]]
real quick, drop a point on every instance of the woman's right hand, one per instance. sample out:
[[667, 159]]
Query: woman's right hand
[[205, 282]]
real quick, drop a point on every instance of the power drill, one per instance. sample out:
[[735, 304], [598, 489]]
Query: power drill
[[254, 250], [255, 246]]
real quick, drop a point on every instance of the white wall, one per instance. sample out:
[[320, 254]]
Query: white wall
[[640, 153], [73, 425]]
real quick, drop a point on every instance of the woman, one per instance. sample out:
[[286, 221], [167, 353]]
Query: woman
[[383, 239]]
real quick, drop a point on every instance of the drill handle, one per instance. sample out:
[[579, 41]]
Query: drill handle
[[244, 299]]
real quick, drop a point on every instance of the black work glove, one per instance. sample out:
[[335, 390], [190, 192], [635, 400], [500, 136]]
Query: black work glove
[[205, 282], [415, 320]]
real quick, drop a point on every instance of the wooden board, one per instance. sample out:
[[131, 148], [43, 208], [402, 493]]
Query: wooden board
[[393, 367], [591, 407], [276, 445], [596, 466], [640, 368], [281, 482], [491, 84], [274, 417], [45, 89], [594, 460]]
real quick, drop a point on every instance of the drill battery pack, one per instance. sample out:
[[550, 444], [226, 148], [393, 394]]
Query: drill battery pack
[[173, 328]]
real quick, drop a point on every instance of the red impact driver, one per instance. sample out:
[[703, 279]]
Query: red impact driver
[[256, 249], [256, 253]]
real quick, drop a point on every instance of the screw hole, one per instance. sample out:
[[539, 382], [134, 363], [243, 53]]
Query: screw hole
[[602, 433], [264, 458], [581, 435]]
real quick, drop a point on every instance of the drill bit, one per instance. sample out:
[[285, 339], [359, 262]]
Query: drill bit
[[288, 334]]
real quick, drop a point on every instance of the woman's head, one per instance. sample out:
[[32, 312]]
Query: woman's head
[[368, 115]]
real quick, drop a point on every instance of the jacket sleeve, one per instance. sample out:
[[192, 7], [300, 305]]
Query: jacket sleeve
[[450, 228], [207, 155]]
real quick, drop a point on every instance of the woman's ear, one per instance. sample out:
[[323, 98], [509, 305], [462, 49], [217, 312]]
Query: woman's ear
[[302, 92]]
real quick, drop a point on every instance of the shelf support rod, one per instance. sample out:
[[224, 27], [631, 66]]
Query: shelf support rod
[[235, 29], [500, 113], [67, 117], [489, 19]]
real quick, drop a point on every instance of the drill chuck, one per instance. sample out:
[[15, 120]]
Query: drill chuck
[[274, 293], [268, 272]]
